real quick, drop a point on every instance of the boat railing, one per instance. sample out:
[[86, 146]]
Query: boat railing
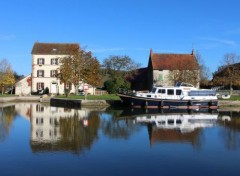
[[126, 91]]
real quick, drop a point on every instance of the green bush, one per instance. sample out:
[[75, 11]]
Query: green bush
[[46, 91]]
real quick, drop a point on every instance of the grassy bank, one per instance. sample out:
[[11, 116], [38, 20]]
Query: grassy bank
[[233, 98], [92, 97], [7, 95]]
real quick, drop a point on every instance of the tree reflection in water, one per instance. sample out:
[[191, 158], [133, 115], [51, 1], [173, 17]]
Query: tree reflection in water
[[74, 135], [114, 127], [6, 120], [231, 131], [77, 137]]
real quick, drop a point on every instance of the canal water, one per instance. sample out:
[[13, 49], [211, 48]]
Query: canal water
[[37, 139]]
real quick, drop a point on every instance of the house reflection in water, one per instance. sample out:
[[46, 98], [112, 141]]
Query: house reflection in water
[[60, 129], [177, 128]]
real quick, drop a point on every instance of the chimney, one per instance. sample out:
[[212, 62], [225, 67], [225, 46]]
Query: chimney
[[193, 52]]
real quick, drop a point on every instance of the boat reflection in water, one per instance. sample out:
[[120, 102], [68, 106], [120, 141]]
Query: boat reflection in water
[[181, 122], [177, 126]]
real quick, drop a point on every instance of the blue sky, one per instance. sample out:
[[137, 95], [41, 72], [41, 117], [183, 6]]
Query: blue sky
[[124, 27]]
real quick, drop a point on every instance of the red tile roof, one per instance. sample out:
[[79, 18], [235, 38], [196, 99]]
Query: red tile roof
[[54, 48], [173, 61]]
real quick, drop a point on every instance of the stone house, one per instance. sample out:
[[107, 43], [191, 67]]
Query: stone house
[[166, 70]]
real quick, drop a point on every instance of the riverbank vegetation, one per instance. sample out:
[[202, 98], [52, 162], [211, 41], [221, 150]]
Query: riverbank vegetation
[[92, 97]]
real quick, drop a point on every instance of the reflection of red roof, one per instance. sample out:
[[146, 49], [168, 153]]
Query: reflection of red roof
[[167, 135], [54, 48], [173, 61]]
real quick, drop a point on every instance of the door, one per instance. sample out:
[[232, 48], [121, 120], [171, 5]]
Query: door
[[54, 88]]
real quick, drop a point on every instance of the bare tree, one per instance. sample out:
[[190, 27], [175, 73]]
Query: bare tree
[[228, 73], [205, 73]]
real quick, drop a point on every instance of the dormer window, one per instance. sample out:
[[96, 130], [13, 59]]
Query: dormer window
[[40, 61]]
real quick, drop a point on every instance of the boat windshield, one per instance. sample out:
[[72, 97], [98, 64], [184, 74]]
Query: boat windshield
[[182, 84], [153, 90]]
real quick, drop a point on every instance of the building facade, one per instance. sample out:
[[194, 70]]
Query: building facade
[[167, 69], [23, 87], [45, 66]]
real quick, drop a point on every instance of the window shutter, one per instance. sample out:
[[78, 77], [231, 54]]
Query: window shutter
[[43, 61], [56, 61], [37, 73], [38, 61], [42, 73]]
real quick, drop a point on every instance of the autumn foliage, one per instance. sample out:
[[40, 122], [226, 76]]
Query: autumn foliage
[[80, 66], [6, 75]]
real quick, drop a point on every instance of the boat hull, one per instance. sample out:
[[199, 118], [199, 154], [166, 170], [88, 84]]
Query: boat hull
[[141, 102]]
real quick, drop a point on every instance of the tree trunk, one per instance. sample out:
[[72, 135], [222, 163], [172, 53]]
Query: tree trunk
[[2, 89], [76, 89]]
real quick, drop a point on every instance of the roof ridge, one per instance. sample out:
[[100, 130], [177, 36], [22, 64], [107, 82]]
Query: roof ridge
[[56, 43]]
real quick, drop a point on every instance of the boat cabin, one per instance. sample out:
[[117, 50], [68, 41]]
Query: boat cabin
[[180, 91]]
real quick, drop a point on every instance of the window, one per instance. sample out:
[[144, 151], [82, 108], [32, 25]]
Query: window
[[40, 73], [53, 133], [39, 133], [162, 91], [178, 92], [170, 91], [39, 108], [54, 61], [40, 61], [160, 77], [68, 86], [53, 121], [153, 90], [39, 121], [40, 86], [53, 73]]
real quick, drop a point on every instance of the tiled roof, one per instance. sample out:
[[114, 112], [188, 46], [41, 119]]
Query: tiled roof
[[54, 48], [173, 61]]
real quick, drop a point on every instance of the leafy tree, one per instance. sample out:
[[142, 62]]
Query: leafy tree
[[6, 75], [120, 69], [80, 66]]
